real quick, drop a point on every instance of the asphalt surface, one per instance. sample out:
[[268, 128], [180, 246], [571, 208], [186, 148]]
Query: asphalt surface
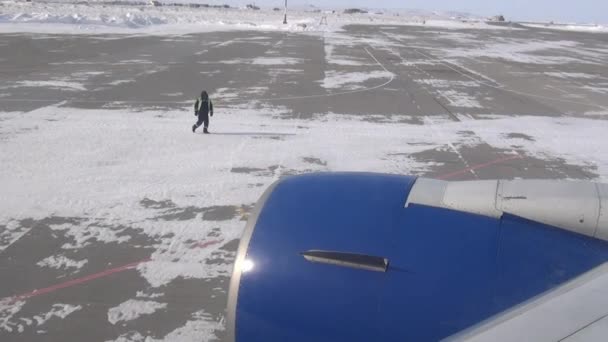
[[134, 73]]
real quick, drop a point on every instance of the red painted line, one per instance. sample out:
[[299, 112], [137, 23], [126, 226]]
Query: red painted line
[[91, 277], [478, 166], [205, 244], [76, 281]]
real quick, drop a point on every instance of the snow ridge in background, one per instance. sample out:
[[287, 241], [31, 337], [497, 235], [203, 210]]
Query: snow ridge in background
[[95, 18], [571, 27]]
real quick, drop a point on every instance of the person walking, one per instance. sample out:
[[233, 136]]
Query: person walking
[[203, 108]]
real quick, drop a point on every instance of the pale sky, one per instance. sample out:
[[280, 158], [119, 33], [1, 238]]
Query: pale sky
[[588, 11]]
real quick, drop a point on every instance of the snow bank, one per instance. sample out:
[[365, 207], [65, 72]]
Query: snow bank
[[573, 27], [98, 18]]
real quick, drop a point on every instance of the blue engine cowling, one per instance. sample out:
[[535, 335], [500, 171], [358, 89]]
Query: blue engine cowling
[[336, 257]]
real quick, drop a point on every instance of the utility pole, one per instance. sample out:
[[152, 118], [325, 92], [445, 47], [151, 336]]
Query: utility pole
[[285, 17]]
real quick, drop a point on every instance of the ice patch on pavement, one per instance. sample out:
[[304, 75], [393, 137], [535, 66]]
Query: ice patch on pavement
[[275, 73], [61, 262], [351, 80], [142, 294], [276, 61], [173, 94], [567, 75], [258, 61], [447, 83], [459, 99], [71, 86], [598, 113], [459, 37], [85, 75], [226, 93], [346, 62], [132, 309], [523, 51], [595, 89]]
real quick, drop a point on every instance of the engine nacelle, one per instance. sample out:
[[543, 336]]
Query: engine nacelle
[[360, 257]]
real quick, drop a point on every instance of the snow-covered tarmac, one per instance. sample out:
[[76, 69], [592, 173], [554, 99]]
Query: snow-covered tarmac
[[119, 224]]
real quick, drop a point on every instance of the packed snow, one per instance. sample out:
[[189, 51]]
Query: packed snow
[[9, 310], [436, 83], [352, 80], [45, 177], [61, 262], [200, 327], [132, 309], [60, 311]]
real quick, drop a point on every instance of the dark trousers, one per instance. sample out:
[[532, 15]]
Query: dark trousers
[[203, 118]]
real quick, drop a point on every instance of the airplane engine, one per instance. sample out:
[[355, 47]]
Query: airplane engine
[[376, 257]]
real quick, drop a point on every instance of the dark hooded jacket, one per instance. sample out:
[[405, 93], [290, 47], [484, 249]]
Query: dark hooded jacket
[[203, 105]]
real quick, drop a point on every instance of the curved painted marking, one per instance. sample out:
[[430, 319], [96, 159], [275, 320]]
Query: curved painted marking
[[391, 79]]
